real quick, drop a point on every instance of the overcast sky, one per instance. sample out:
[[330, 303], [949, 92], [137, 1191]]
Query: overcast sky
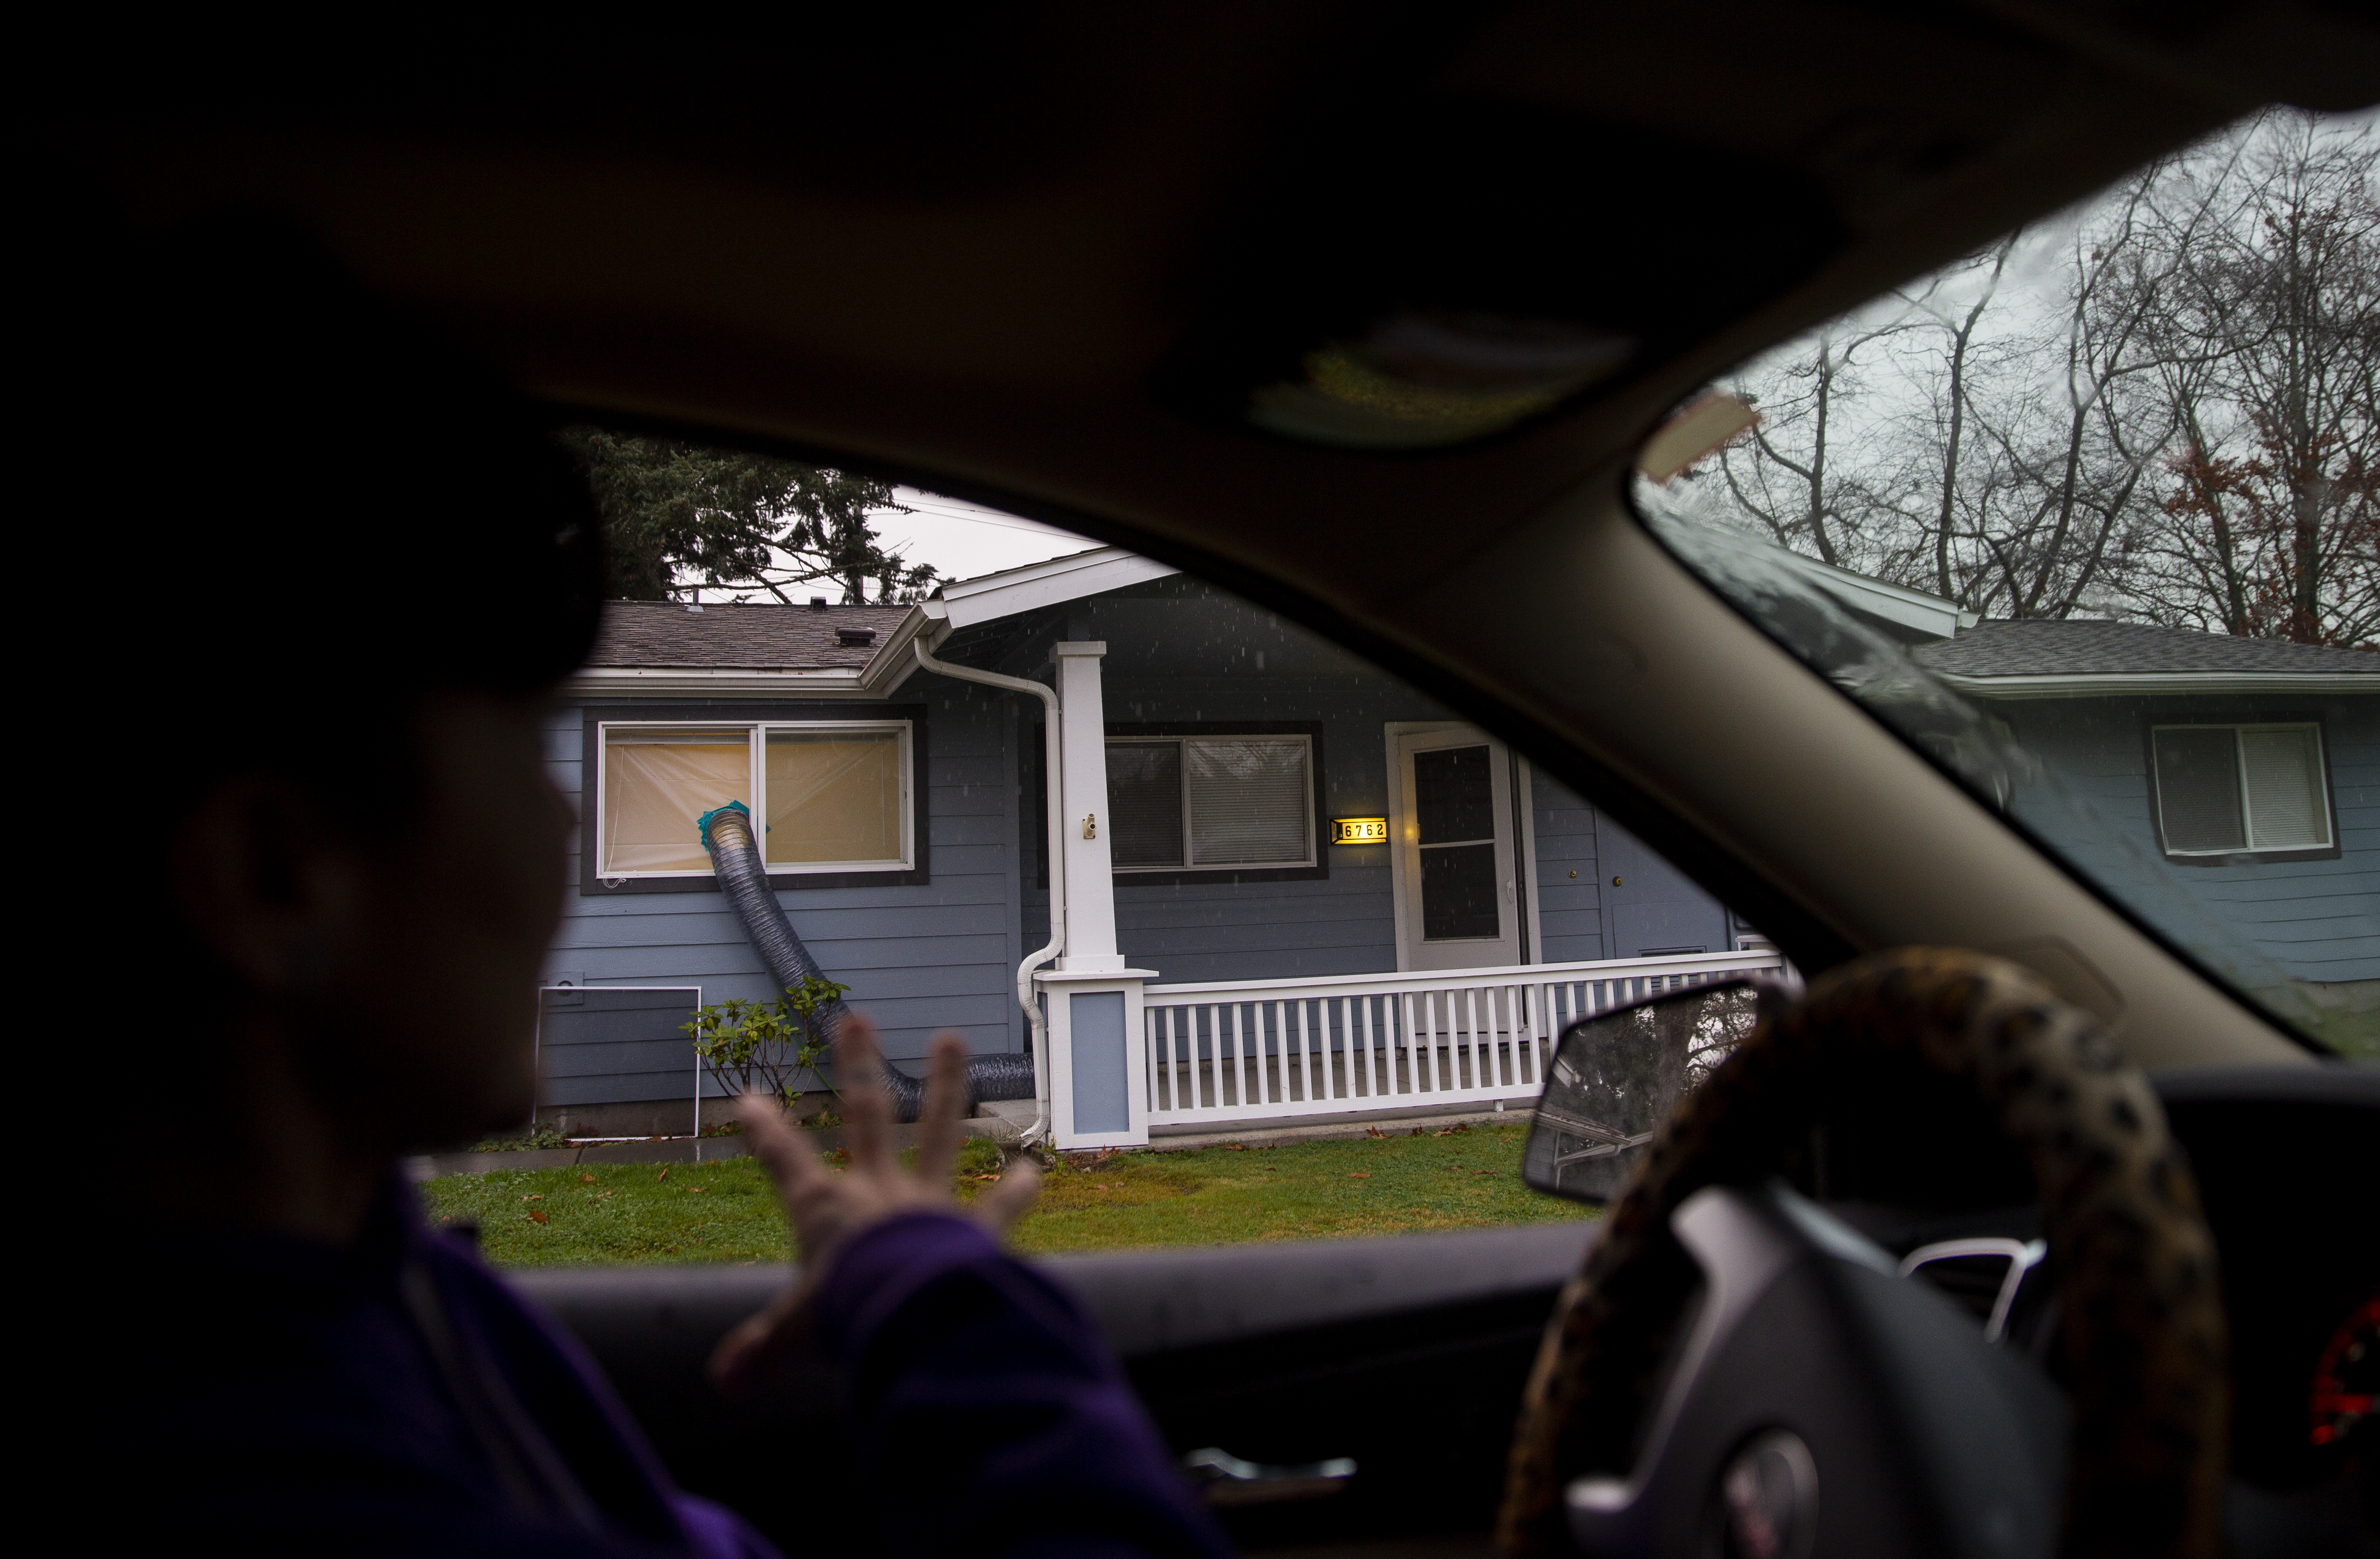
[[965, 540]]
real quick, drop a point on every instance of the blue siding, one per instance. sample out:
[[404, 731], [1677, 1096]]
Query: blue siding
[[944, 955], [1570, 896], [918, 959], [1178, 653], [2316, 920]]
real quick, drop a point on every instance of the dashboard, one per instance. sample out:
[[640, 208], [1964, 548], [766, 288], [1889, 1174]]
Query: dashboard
[[2288, 1163], [2285, 1163]]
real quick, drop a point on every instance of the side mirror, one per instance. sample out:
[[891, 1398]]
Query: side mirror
[[1617, 1076]]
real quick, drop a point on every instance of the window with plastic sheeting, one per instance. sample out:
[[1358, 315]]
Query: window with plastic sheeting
[[829, 796], [1210, 802], [656, 783], [2227, 790], [834, 796]]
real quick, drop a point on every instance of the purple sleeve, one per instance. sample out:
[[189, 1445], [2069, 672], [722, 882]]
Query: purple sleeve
[[988, 1416]]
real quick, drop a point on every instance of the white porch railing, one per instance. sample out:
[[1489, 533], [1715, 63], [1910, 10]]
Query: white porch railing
[[1266, 1049]]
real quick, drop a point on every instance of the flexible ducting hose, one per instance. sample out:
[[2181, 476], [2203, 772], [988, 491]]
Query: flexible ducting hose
[[735, 857]]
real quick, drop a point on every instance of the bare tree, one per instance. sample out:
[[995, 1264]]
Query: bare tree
[[1789, 476], [2271, 513], [2162, 406]]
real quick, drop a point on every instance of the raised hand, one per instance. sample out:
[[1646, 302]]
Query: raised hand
[[828, 1210]]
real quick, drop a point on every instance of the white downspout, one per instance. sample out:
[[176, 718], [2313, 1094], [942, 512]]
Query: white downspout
[[1052, 770]]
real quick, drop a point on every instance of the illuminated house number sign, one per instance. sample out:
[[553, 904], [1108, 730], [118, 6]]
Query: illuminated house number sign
[[1359, 830]]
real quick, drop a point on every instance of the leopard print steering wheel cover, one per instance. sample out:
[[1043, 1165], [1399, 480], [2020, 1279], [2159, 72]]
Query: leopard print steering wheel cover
[[2141, 1333]]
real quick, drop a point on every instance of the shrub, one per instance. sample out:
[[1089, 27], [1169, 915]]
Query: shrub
[[753, 1047]]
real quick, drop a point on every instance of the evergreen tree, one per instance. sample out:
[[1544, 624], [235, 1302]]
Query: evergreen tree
[[677, 514]]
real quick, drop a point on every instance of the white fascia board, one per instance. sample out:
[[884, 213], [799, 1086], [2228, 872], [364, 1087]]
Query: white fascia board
[[1070, 578], [892, 663], [1894, 603], [713, 682], [2094, 684]]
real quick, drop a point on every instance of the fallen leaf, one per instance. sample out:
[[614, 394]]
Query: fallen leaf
[[1374, 1132], [663, 1175], [586, 1179], [1359, 1174], [534, 1196], [1482, 1171], [1419, 1133], [537, 1215], [694, 1188], [1235, 1147]]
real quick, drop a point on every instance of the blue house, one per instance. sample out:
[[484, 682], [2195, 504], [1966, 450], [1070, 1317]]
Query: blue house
[[1292, 885], [1254, 821], [2246, 770]]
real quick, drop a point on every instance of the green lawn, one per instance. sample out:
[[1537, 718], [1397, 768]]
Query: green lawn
[[610, 1214]]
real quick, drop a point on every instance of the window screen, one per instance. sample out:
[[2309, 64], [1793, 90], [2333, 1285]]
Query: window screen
[[1454, 821], [2223, 787], [833, 796], [1145, 805], [1210, 802], [657, 783]]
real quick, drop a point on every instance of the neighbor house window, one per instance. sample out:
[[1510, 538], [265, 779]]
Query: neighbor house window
[[829, 795], [1210, 802], [2224, 789]]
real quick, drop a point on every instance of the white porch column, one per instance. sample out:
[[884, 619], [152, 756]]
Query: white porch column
[[1083, 850], [1098, 1036], [1098, 1044]]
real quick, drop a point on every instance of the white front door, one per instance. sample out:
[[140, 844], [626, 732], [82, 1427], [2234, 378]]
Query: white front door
[[1458, 901]]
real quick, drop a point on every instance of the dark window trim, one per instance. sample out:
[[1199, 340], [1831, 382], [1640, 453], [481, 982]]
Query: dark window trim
[[2152, 720], [1035, 800], [591, 715]]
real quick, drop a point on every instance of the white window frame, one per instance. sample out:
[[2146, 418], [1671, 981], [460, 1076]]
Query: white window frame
[[2246, 802], [1313, 845], [757, 736]]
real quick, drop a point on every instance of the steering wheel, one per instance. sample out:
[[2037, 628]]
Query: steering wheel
[[1734, 1370]]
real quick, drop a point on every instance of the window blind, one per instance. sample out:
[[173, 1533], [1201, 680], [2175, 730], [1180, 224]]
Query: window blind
[[1248, 801], [2286, 809]]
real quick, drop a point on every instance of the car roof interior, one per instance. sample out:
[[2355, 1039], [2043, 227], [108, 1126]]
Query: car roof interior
[[1040, 259]]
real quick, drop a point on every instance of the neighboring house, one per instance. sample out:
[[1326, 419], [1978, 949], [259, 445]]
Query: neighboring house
[[2251, 766], [1295, 885], [904, 828]]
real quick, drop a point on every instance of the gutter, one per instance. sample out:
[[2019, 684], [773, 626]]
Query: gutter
[[646, 681], [2105, 684], [1053, 769]]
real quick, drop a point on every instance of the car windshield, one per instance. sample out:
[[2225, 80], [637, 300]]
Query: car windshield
[[2092, 518]]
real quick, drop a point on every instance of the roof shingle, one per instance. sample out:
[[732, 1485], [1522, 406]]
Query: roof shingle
[[750, 638], [2038, 647]]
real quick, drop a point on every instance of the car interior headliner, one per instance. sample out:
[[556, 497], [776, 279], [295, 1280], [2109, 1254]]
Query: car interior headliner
[[1040, 256]]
